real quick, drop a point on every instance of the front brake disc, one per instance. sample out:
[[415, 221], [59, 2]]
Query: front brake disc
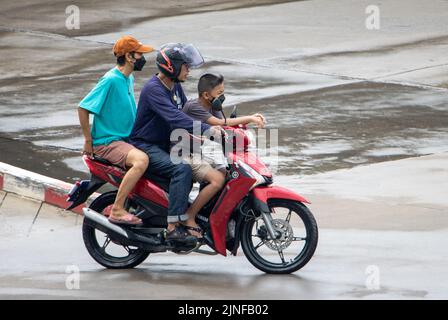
[[286, 235]]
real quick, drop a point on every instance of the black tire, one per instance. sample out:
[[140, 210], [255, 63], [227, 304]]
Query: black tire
[[303, 257], [135, 257]]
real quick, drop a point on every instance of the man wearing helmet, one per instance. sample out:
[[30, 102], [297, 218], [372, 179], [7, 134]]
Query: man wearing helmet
[[159, 113]]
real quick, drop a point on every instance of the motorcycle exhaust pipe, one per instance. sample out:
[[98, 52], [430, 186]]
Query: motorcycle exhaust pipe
[[102, 221], [126, 236]]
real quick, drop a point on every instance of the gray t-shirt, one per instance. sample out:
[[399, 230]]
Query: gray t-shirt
[[211, 151], [194, 109]]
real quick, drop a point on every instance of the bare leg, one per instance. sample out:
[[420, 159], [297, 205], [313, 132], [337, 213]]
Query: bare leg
[[138, 162], [216, 181]]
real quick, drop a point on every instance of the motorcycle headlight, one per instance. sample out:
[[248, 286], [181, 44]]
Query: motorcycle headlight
[[254, 174]]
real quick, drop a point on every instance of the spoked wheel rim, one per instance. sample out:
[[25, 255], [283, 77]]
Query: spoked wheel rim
[[295, 244], [112, 250], [105, 249]]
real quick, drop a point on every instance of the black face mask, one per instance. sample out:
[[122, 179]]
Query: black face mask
[[139, 63], [217, 102]]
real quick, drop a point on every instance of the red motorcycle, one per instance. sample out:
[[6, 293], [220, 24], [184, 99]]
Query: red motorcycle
[[277, 232]]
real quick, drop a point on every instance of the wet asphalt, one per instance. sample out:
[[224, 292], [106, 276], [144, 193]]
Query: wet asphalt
[[341, 97], [45, 258]]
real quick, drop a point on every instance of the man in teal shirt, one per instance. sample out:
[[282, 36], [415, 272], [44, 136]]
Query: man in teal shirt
[[112, 103]]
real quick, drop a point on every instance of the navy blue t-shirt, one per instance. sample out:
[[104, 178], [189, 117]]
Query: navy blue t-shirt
[[159, 112]]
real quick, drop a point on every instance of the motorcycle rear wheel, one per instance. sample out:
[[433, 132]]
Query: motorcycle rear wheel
[[308, 225], [98, 251]]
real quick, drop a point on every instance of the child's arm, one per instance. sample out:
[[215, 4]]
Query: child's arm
[[257, 118]]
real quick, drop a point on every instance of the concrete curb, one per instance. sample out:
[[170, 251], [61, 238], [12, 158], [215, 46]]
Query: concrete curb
[[36, 186]]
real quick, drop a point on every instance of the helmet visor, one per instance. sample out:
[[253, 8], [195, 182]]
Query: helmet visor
[[190, 54]]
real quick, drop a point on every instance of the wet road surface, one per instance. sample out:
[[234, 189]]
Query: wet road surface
[[41, 257], [341, 95]]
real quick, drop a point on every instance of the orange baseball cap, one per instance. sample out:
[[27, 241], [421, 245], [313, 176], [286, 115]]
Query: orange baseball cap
[[129, 44]]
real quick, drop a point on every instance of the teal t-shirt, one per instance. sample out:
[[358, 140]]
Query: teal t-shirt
[[112, 102]]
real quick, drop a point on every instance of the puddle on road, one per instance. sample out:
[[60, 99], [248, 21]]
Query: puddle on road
[[340, 126], [348, 125]]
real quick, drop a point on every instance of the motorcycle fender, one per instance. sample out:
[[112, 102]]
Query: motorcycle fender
[[262, 195], [82, 190]]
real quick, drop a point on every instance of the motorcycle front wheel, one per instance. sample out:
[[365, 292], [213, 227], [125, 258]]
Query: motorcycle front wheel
[[296, 242], [105, 250]]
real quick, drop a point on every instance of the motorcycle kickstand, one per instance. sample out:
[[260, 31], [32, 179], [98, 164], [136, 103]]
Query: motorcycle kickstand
[[198, 244]]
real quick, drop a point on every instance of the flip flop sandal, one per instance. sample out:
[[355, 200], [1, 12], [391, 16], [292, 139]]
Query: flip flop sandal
[[127, 220]]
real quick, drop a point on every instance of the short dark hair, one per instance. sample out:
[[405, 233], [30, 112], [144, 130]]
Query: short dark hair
[[121, 60], [208, 82]]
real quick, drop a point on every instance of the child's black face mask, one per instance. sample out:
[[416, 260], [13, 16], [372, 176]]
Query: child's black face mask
[[217, 102]]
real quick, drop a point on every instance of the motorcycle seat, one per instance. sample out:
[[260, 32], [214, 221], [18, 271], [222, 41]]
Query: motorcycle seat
[[159, 180]]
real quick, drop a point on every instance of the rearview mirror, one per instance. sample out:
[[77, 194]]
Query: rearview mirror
[[234, 112]]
